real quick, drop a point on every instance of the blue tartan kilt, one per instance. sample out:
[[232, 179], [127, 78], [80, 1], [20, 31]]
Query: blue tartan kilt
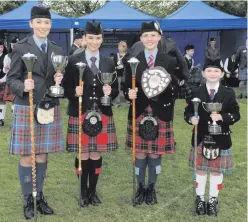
[[48, 138], [243, 74]]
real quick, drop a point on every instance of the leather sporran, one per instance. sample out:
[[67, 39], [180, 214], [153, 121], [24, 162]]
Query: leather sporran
[[210, 150], [92, 124], [148, 128], [44, 111]]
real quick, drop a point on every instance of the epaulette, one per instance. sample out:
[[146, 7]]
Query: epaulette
[[23, 40], [53, 42]]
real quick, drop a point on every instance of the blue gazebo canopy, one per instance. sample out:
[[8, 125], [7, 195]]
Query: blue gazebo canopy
[[115, 14], [19, 18], [197, 15]]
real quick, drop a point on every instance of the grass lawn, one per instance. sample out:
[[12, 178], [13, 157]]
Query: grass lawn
[[174, 186]]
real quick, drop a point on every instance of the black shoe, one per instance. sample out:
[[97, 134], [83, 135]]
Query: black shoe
[[1, 122], [84, 202], [140, 195], [240, 96], [43, 207], [28, 208], [200, 206], [151, 195], [212, 206], [94, 199]]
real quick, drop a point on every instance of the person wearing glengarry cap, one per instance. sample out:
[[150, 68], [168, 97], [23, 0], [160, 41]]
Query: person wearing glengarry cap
[[48, 137], [212, 54]]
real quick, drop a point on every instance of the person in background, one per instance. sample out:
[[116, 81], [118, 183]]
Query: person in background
[[195, 71], [231, 70], [3, 53], [82, 46], [8, 96], [212, 54], [119, 67], [76, 43], [241, 60]]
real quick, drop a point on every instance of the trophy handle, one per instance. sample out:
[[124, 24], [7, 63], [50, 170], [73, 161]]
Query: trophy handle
[[204, 107], [115, 77], [99, 72]]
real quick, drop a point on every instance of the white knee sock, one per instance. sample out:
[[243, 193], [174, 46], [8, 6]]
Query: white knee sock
[[2, 111], [200, 185], [215, 185]]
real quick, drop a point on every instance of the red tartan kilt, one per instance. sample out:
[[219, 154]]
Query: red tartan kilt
[[2, 88], [223, 164], [164, 143], [8, 95], [106, 141]]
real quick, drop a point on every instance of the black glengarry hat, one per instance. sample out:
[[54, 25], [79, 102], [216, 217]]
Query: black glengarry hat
[[40, 12], [212, 39], [188, 47], [15, 40], [150, 27], [213, 65], [94, 28]]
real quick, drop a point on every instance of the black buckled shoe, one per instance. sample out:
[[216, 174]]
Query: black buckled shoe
[[94, 199], [140, 195], [151, 197], [28, 208], [42, 206], [212, 207], [200, 206], [84, 201]]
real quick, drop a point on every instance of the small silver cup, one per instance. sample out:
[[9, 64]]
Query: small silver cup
[[106, 78], [59, 63], [214, 128]]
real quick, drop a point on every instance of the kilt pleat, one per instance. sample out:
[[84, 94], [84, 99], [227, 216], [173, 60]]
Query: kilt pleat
[[48, 138], [223, 164], [106, 141], [163, 144]]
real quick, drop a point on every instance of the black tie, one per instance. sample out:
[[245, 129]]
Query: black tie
[[93, 67]]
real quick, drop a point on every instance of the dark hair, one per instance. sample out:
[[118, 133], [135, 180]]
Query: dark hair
[[5, 51]]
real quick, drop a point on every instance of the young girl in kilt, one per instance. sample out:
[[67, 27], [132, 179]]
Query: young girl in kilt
[[105, 139], [149, 152], [212, 92], [3, 53], [48, 138]]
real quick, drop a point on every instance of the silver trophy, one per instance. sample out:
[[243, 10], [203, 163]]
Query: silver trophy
[[214, 128], [106, 78], [59, 63]]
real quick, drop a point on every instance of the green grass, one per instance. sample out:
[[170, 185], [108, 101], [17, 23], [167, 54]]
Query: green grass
[[174, 186]]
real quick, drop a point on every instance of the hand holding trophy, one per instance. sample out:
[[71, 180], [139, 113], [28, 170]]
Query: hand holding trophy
[[59, 63]]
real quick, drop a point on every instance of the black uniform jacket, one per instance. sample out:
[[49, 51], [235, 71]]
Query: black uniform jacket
[[92, 88], [162, 106], [43, 71], [230, 114]]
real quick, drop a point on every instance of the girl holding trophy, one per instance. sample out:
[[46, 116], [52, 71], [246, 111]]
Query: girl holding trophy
[[98, 89], [29, 85], [217, 111]]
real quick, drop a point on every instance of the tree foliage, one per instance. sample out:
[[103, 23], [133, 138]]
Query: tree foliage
[[153, 7]]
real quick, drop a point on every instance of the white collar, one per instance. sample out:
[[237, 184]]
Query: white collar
[[187, 56], [215, 87]]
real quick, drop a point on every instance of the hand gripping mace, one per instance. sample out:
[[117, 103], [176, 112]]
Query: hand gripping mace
[[29, 60], [81, 67], [196, 102], [133, 64]]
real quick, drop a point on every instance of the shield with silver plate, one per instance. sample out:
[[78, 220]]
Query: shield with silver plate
[[154, 81]]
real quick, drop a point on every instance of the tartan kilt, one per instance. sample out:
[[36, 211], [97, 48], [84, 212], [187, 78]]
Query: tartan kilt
[[223, 164], [48, 138], [2, 88], [8, 95], [106, 141], [163, 144], [243, 74]]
